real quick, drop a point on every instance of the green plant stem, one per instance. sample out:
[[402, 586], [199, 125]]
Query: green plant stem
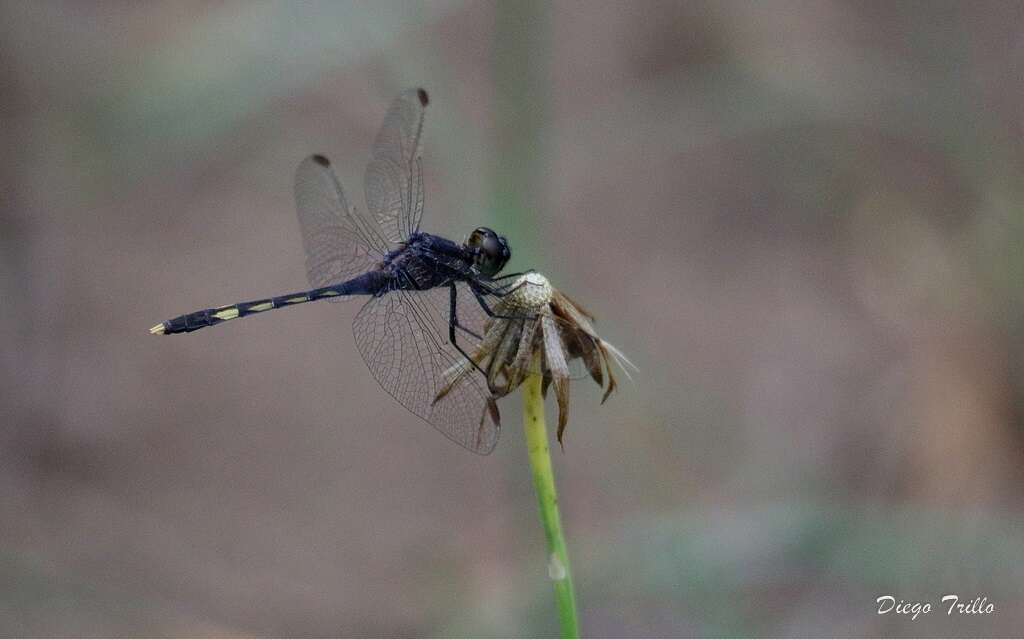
[[547, 499]]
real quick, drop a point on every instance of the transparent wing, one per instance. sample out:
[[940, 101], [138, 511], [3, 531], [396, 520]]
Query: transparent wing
[[403, 337], [394, 177], [339, 242]]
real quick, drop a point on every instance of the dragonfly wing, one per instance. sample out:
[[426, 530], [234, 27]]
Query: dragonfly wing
[[403, 338], [339, 242], [394, 177]]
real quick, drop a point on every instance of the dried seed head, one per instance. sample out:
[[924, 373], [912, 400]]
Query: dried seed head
[[539, 330]]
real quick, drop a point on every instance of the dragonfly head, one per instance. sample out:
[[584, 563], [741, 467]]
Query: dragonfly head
[[489, 250]]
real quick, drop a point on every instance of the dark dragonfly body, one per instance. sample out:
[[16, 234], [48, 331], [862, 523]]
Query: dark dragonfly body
[[426, 296], [423, 262]]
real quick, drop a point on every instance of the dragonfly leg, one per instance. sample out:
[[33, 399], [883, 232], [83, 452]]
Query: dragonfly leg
[[511, 275], [453, 319], [499, 291], [502, 290], [453, 323], [490, 312]]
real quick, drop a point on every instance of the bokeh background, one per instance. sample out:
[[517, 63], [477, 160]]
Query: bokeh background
[[802, 220]]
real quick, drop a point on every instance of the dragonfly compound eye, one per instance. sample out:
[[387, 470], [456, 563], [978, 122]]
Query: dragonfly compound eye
[[491, 250]]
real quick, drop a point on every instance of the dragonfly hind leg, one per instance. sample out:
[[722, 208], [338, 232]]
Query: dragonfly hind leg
[[453, 323]]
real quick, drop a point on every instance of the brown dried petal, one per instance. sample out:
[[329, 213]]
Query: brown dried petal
[[544, 384], [566, 308], [562, 395], [562, 299], [554, 354], [492, 408], [612, 383], [523, 360], [499, 381], [593, 361]]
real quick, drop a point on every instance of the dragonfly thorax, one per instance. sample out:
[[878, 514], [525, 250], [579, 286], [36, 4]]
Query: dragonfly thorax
[[425, 261]]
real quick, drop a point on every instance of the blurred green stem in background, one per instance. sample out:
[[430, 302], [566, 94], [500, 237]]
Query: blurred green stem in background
[[520, 50], [520, 91], [547, 499]]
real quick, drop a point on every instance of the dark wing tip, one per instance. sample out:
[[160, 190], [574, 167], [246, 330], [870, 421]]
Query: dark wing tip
[[422, 95], [321, 160]]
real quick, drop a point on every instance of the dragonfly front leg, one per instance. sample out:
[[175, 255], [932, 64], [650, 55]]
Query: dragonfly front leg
[[511, 275], [487, 309], [500, 291]]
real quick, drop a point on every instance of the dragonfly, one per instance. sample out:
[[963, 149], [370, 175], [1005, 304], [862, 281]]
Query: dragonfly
[[430, 298]]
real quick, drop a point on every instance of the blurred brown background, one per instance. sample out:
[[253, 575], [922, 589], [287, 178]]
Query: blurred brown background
[[802, 220]]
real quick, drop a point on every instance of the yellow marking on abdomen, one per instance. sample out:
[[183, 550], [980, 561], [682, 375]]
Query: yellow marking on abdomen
[[296, 300], [329, 293], [259, 308], [227, 313]]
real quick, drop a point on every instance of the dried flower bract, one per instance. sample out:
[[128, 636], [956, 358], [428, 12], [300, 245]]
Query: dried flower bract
[[537, 329]]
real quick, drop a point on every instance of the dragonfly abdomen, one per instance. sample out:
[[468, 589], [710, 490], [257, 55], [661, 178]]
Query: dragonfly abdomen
[[366, 284]]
